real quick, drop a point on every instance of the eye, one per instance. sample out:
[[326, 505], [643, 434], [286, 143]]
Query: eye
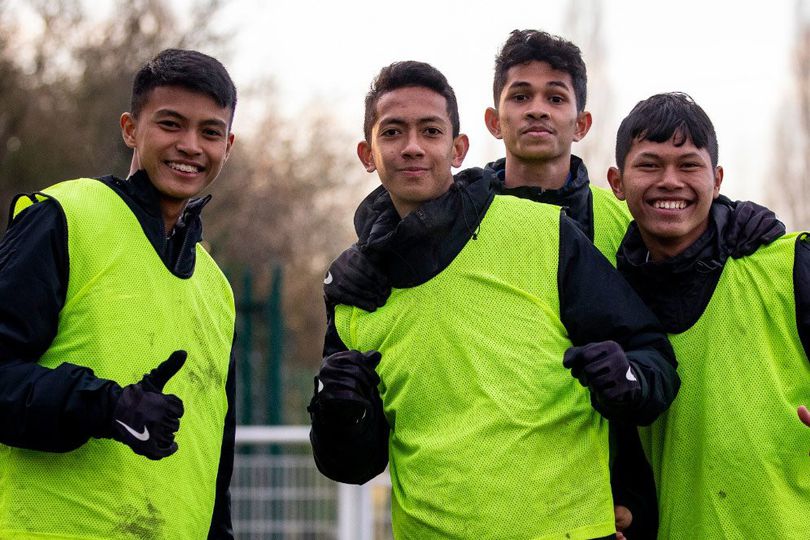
[[390, 132], [557, 99], [647, 166], [519, 98], [433, 132], [212, 133], [168, 124], [690, 165]]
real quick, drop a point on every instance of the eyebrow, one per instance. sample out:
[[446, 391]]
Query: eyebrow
[[174, 114], [653, 155], [401, 121], [555, 84]]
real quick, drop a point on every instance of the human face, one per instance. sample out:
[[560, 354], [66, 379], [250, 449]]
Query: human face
[[182, 140], [537, 114], [669, 190], [412, 147]]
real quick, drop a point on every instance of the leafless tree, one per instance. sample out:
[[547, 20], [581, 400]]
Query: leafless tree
[[584, 23], [789, 192]]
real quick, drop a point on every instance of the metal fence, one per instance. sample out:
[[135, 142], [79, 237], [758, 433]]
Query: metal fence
[[278, 494]]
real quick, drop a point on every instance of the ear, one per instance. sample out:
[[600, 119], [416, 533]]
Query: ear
[[614, 177], [228, 146], [129, 128], [584, 121], [366, 157], [718, 179], [493, 122], [460, 146]]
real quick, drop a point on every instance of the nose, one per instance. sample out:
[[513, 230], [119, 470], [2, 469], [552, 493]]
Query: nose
[[413, 147], [536, 109], [671, 178], [188, 143]]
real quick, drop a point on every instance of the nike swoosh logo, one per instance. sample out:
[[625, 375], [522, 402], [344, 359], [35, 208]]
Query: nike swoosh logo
[[629, 375], [141, 436], [328, 279]]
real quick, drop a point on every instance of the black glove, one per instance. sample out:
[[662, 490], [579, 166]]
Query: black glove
[[345, 388], [353, 279], [751, 226], [146, 419], [605, 370]]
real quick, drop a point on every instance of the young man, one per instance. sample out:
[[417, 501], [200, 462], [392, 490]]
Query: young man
[[539, 90], [102, 280], [730, 456], [486, 432]]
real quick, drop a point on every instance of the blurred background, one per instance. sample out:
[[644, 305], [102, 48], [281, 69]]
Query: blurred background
[[283, 207]]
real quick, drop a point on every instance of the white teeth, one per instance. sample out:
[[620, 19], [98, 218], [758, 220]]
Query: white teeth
[[670, 205], [182, 167]]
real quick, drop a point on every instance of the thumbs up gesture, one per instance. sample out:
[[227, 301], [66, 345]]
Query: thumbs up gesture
[[146, 419]]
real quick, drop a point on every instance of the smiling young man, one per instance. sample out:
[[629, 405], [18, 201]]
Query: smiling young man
[[730, 456], [115, 323], [461, 380]]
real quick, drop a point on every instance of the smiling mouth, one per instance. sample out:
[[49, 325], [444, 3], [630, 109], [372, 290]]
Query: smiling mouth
[[664, 204], [184, 167]]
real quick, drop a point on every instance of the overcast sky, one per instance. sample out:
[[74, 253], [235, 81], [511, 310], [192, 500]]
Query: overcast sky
[[732, 57]]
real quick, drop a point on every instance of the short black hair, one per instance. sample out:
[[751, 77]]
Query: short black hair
[[524, 46], [661, 117], [407, 74], [188, 69]]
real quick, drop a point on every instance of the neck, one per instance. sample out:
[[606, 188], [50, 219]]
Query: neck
[[545, 174], [661, 249], [171, 210]]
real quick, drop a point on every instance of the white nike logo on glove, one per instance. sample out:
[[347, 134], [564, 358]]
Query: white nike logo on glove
[[328, 279], [141, 436], [629, 375]]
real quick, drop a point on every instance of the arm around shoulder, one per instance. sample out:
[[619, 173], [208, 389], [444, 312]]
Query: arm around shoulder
[[598, 306]]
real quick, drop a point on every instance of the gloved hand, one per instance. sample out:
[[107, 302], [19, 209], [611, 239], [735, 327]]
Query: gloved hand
[[345, 388], [605, 370], [751, 226], [354, 280], [146, 419]]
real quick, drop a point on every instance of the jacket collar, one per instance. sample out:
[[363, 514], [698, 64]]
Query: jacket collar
[[706, 254], [576, 180], [417, 247]]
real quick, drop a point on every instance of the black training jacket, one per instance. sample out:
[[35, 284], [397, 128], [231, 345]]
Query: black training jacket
[[596, 304]]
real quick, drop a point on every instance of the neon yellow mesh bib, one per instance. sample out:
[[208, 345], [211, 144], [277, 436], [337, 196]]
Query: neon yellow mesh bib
[[491, 437], [610, 220], [124, 314], [730, 456]]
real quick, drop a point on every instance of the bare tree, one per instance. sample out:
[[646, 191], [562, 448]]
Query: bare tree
[[584, 25], [59, 120], [789, 195]]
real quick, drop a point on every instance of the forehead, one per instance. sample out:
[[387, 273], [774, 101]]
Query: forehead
[[675, 147], [413, 103], [186, 102], [537, 73]]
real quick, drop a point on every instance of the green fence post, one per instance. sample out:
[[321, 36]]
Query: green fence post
[[246, 339], [275, 349]]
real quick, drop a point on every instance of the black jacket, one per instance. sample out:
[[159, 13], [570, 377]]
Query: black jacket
[[679, 289], [574, 196], [59, 409], [595, 305]]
